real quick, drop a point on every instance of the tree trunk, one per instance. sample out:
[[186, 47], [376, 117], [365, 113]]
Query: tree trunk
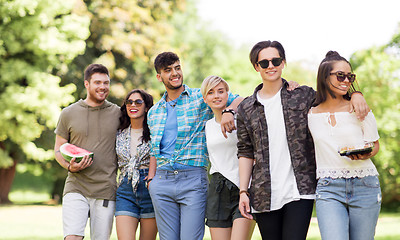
[[58, 188], [6, 180]]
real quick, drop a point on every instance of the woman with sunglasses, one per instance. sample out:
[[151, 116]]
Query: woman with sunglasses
[[348, 191], [133, 202], [276, 151]]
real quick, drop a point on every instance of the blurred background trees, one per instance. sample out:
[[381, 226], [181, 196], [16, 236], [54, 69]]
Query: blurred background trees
[[38, 39], [46, 45], [378, 71]]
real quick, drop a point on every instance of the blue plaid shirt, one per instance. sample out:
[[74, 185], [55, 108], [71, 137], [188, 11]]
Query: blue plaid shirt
[[192, 114]]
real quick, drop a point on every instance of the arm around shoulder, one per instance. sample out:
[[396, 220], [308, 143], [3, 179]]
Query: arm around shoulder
[[235, 103], [244, 131], [359, 105], [228, 120]]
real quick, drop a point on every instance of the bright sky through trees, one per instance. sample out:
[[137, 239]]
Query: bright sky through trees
[[307, 29]]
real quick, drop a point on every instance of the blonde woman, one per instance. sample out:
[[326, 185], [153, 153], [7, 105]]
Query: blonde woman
[[223, 216]]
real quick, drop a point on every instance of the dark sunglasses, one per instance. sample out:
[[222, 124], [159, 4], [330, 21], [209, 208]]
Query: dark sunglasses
[[265, 62], [138, 102], [341, 76]]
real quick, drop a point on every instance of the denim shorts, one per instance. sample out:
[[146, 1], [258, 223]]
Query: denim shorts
[[135, 204], [222, 202]]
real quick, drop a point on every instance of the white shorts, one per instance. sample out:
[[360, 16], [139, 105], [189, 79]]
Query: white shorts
[[76, 209]]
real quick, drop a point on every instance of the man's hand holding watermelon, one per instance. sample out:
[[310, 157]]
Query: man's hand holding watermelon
[[72, 157], [75, 167]]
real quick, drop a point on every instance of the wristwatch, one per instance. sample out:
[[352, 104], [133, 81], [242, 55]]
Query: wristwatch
[[229, 110]]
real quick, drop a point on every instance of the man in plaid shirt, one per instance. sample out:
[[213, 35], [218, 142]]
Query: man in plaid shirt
[[179, 187]]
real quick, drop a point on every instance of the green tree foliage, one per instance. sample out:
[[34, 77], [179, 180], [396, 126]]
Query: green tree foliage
[[239, 72], [205, 51], [298, 72], [243, 78], [378, 74], [125, 35], [38, 37]]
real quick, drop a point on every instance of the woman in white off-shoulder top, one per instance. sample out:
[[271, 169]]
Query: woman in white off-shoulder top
[[348, 192]]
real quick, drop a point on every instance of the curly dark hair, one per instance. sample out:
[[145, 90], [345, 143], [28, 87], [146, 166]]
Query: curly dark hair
[[165, 59], [125, 121]]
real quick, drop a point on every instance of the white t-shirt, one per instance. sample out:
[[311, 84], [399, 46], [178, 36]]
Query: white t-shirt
[[222, 151], [283, 182], [348, 131]]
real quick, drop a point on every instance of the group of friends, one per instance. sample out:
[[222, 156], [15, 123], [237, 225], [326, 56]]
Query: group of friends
[[272, 155]]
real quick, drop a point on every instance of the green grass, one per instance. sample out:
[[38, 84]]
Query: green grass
[[31, 217], [34, 222]]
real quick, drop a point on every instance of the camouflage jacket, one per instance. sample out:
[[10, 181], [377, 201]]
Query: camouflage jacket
[[253, 143]]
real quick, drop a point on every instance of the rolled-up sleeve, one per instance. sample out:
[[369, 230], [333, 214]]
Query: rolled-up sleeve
[[245, 146]]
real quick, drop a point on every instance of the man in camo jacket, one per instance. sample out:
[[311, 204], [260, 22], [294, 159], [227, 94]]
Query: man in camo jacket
[[276, 150]]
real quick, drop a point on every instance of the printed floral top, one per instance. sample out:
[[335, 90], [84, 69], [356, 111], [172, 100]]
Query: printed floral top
[[127, 164]]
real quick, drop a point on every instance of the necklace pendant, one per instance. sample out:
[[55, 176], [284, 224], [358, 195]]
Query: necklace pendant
[[172, 105], [171, 102]]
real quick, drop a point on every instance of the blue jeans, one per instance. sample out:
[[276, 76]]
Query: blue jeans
[[135, 204], [348, 208], [179, 200]]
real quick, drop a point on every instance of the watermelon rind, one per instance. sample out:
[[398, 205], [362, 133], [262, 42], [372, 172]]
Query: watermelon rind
[[68, 156]]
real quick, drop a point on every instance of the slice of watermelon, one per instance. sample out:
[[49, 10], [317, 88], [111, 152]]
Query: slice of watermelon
[[69, 151]]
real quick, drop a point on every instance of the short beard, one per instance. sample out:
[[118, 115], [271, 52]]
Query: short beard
[[169, 86], [96, 100]]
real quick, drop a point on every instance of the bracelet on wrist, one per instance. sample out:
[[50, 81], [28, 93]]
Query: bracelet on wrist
[[228, 111], [69, 169], [244, 191]]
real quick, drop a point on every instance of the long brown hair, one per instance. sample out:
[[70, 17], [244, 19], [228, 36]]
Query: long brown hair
[[125, 121], [324, 70]]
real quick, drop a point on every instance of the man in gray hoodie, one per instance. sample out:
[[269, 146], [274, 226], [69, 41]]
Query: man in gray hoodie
[[91, 183]]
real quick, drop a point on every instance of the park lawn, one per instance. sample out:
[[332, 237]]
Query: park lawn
[[43, 222]]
